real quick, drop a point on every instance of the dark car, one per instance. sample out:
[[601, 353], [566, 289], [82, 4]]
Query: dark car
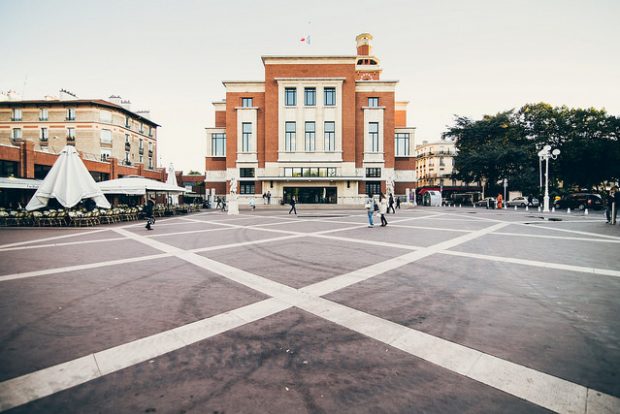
[[580, 201]]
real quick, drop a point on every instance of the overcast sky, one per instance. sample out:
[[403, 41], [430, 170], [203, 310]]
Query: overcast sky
[[451, 57]]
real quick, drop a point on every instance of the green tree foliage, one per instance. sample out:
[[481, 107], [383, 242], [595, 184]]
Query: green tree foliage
[[505, 145]]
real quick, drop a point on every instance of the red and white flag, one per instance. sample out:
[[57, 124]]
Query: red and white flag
[[305, 40]]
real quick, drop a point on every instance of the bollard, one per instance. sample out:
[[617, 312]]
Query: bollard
[[538, 208], [515, 208], [585, 212], [568, 210], [527, 208], [460, 205], [553, 209]]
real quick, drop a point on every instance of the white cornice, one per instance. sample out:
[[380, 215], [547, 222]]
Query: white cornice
[[317, 79], [219, 106], [316, 60], [375, 86], [244, 86]]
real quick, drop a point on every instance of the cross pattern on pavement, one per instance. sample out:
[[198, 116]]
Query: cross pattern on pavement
[[450, 235]]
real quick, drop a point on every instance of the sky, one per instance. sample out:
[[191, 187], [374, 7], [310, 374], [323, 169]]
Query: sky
[[452, 57]]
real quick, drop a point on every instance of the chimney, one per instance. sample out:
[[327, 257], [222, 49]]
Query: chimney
[[126, 103], [363, 44], [115, 99], [144, 114]]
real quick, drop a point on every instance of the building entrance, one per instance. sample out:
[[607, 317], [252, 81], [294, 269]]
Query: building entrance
[[311, 195]]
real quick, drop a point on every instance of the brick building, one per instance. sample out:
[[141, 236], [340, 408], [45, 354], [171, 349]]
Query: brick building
[[325, 129], [112, 140]]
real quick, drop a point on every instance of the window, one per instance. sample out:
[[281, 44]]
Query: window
[[44, 134], [127, 139], [127, 161], [373, 102], [17, 114], [289, 137], [106, 136], [330, 136], [310, 137], [141, 145], [310, 172], [218, 145], [373, 172], [70, 114], [105, 116], [246, 172], [373, 132], [127, 122], [290, 96], [43, 116], [8, 168], [310, 96], [150, 163], [150, 131], [40, 171], [373, 187], [246, 128], [141, 130], [105, 154], [401, 145], [71, 134], [441, 162], [247, 187], [330, 96], [17, 133], [246, 102]]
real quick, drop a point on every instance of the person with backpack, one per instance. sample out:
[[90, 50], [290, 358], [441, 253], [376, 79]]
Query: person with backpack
[[293, 205]]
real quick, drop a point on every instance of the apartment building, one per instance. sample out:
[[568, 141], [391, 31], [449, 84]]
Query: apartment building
[[325, 129], [434, 168], [112, 140]]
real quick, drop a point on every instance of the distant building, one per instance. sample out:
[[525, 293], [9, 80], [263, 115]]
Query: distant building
[[434, 169], [325, 129]]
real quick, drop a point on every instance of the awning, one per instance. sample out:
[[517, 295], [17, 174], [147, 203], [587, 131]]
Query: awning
[[137, 185], [21, 183]]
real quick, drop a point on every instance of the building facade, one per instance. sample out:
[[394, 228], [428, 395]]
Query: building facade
[[102, 132], [325, 129], [434, 169]]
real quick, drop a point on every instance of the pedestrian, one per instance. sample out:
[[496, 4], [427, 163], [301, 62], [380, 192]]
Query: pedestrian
[[369, 204], [264, 198], [293, 205], [252, 203], [500, 201], [383, 209], [391, 205], [219, 203], [148, 213], [613, 202], [223, 204], [398, 203], [268, 197], [529, 200]]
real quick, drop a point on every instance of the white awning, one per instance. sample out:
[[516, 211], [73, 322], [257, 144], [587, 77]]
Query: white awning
[[21, 183], [137, 185]]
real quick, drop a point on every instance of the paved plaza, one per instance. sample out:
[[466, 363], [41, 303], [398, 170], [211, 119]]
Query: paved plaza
[[445, 310]]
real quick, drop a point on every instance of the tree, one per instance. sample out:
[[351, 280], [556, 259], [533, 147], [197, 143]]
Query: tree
[[505, 145]]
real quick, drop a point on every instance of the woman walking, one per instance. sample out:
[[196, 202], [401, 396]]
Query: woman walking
[[383, 209], [370, 209]]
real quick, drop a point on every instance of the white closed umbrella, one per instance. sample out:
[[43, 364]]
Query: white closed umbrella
[[69, 182], [172, 181]]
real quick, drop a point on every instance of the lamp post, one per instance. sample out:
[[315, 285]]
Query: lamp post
[[545, 154]]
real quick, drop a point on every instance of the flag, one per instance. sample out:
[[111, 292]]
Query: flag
[[305, 40]]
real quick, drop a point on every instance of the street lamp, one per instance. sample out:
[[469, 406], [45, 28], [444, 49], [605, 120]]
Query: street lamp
[[545, 154]]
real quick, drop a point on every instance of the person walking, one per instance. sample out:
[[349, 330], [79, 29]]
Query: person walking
[[383, 209], [293, 205], [268, 197], [530, 198], [613, 202], [398, 203], [391, 205], [370, 204], [252, 203], [264, 198], [148, 213], [500, 201]]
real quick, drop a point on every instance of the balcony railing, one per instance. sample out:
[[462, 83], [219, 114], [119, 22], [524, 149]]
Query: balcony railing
[[127, 146]]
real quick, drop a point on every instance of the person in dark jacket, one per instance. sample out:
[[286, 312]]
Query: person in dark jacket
[[391, 205], [613, 202], [148, 213], [293, 206]]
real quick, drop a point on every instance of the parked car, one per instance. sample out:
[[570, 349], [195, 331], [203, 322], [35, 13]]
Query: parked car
[[522, 202], [484, 201], [580, 201]]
